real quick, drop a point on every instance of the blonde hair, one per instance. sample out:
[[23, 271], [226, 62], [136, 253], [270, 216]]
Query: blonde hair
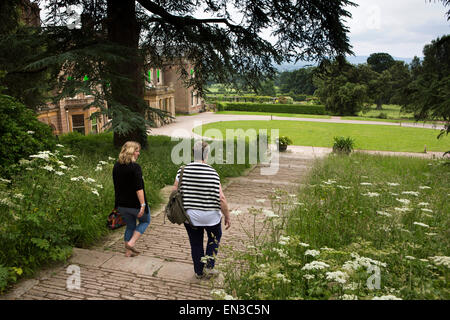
[[126, 155]]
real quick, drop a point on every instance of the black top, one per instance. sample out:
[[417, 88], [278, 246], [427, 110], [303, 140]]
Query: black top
[[127, 180]]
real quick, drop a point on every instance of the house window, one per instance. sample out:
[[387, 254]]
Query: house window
[[192, 97], [94, 126], [158, 76], [78, 123]]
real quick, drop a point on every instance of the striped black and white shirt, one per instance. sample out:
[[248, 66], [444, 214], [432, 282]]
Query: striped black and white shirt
[[200, 186]]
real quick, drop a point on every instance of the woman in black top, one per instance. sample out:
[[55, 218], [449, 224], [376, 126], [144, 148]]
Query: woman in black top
[[130, 199]]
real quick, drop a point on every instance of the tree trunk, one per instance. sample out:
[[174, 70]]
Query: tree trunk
[[123, 29], [379, 105]]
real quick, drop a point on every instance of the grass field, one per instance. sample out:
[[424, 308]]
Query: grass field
[[367, 137]]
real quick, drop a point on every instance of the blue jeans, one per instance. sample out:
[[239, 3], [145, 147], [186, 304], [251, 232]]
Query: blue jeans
[[129, 215], [197, 251]]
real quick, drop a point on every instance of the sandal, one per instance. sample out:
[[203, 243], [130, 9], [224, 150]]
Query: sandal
[[131, 248]]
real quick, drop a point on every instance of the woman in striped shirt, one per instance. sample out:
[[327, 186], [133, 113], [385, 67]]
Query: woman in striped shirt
[[205, 203]]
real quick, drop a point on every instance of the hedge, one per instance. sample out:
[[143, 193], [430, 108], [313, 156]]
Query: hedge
[[275, 108]]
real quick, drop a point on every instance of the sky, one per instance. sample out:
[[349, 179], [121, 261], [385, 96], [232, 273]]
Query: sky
[[399, 27]]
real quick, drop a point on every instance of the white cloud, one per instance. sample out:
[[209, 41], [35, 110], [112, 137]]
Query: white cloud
[[401, 27]]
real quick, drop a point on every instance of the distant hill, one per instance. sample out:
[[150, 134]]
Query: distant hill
[[351, 59]]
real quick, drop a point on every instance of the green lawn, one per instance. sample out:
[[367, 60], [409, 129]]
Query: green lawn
[[291, 115], [367, 137]]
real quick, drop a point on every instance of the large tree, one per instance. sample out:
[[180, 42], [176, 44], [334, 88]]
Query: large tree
[[428, 94], [118, 40], [340, 87]]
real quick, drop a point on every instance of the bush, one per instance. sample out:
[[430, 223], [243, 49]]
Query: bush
[[343, 145], [21, 134], [274, 108], [382, 115], [285, 100]]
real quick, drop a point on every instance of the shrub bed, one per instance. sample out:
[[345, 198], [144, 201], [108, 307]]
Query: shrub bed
[[278, 108]]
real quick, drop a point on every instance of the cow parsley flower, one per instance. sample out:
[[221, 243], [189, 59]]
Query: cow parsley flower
[[426, 210], [94, 191], [424, 187], [48, 168], [388, 297], [441, 260], [303, 244], [337, 276], [382, 213], [312, 253], [393, 184], [59, 173], [404, 201], [371, 194], [349, 297], [315, 265], [423, 204], [414, 193], [30, 132], [309, 276], [366, 183], [421, 224]]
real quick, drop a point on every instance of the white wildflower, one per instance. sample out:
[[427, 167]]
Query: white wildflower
[[63, 167], [394, 194], [70, 156], [426, 210], [414, 193], [102, 162], [303, 244], [270, 213], [388, 297], [327, 249], [337, 276], [48, 168], [282, 278], [424, 260], [19, 196], [366, 183], [5, 180], [410, 258], [351, 286], [329, 181], [98, 168], [59, 145], [59, 173], [280, 252], [423, 204], [299, 203], [404, 201], [393, 184], [315, 265], [30, 132], [349, 297], [424, 187], [90, 180], [431, 234], [371, 194], [421, 224], [312, 253], [343, 187], [403, 209], [382, 213], [308, 276], [94, 191], [441, 260]]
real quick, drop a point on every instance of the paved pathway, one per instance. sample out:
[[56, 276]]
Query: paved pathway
[[164, 268]]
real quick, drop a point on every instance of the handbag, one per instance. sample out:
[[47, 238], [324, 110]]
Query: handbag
[[115, 220], [174, 210]]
